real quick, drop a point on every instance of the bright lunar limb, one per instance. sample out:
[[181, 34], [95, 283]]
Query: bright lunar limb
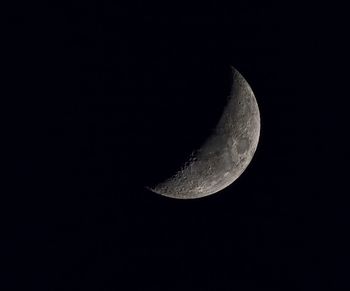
[[225, 154]]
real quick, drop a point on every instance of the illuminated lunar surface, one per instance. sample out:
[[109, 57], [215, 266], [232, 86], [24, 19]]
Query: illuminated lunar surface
[[225, 154]]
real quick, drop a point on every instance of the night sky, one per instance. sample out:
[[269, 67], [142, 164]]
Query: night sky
[[109, 97]]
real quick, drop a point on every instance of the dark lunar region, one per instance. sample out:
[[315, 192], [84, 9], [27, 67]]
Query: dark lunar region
[[176, 121]]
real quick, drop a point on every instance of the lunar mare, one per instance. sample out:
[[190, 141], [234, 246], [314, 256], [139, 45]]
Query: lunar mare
[[225, 154]]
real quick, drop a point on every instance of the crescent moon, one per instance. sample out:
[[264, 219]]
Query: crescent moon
[[225, 154]]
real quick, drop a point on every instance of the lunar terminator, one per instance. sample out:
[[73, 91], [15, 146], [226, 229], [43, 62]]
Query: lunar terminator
[[225, 154]]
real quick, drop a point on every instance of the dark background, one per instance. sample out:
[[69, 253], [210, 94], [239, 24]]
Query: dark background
[[108, 97]]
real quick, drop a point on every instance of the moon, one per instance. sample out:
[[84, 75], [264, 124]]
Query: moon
[[225, 154]]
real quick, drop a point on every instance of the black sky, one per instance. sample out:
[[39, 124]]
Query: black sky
[[109, 96]]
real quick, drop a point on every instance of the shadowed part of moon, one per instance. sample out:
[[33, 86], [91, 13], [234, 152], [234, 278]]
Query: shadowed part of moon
[[225, 154]]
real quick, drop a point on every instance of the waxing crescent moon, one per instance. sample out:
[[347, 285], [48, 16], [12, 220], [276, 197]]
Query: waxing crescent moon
[[225, 154]]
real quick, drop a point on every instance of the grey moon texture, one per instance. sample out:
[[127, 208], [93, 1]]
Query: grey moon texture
[[225, 154]]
